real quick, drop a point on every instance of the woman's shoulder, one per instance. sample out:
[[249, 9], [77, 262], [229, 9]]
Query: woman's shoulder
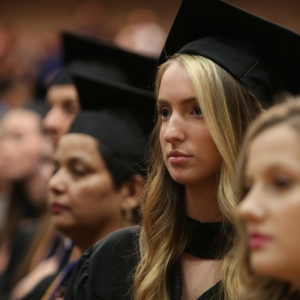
[[106, 270], [118, 248], [118, 241]]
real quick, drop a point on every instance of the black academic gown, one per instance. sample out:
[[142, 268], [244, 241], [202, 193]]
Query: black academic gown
[[19, 246], [105, 271]]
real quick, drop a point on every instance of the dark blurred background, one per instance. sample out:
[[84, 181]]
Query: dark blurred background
[[29, 33], [38, 15]]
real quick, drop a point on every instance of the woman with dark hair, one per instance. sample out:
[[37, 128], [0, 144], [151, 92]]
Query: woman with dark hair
[[94, 190], [123, 70], [223, 70], [97, 182]]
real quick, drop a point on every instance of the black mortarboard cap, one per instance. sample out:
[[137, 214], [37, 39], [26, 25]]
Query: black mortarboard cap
[[118, 129], [262, 55], [121, 120], [91, 56], [98, 93]]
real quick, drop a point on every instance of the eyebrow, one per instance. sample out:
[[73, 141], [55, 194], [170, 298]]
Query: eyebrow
[[63, 101], [73, 160], [278, 167], [187, 100], [69, 101]]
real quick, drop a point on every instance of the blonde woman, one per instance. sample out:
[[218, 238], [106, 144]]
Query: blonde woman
[[206, 97], [268, 192]]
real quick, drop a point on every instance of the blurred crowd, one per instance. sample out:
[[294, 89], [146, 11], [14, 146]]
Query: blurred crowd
[[28, 61]]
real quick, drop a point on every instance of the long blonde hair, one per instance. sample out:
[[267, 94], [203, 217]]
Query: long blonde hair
[[227, 108], [256, 287]]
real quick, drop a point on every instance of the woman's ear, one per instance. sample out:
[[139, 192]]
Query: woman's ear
[[134, 187]]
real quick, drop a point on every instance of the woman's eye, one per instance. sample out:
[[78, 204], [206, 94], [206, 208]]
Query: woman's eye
[[79, 171], [71, 108], [197, 111], [282, 182], [164, 112]]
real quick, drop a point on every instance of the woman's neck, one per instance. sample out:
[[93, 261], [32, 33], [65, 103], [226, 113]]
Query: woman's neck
[[202, 203]]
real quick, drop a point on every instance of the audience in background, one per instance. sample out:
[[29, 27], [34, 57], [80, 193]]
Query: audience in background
[[25, 167], [141, 33], [29, 61]]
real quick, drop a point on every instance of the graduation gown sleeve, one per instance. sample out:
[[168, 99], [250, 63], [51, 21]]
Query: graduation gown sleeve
[[106, 270]]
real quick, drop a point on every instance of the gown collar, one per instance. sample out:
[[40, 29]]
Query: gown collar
[[205, 240]]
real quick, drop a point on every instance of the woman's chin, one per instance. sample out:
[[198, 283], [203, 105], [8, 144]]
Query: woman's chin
[[182, 179], [263, 264], [61, 224]]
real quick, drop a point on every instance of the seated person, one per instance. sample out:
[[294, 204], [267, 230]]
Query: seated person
[[97, 181], [25, 167], [269, 195]]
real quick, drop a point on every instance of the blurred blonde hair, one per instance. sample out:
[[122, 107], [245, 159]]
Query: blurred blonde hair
[[256, 287], [227, 107]]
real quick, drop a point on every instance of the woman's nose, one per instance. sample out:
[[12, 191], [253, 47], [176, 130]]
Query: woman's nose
[[56, 184], [54, 122], [174, 130], [252, 208]]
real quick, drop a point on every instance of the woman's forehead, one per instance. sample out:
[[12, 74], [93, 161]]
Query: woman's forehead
[[76, 143]]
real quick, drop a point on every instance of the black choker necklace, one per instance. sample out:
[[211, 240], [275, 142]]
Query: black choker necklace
[[205, 239]]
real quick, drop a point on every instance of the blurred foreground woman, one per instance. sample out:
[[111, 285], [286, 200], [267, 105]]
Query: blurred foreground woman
[[269, 195], [26, 167]]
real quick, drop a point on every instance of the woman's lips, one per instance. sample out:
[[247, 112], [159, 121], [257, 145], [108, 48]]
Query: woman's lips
[[176, 157], [257, 240], [57, 208]]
